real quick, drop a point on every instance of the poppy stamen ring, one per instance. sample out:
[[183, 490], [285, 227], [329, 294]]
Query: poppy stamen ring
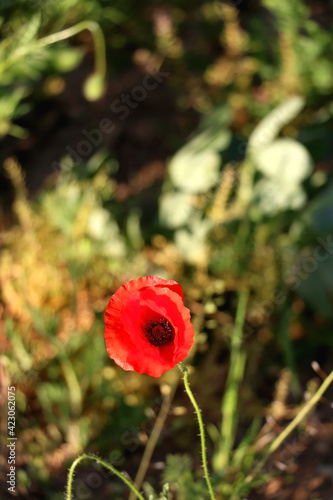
[[159, 332]]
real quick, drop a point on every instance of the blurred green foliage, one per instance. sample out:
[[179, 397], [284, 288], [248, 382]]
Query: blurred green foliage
[[246, 203]]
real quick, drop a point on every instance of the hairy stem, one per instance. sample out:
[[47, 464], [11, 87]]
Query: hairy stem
[[107, 466], [201, 427]]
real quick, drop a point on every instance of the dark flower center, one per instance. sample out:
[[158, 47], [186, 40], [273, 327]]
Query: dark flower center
[[159, 332]]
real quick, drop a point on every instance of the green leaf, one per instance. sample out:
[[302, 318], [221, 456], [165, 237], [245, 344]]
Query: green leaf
[[322, 75], [29, 31], [9, 102], [176, 466]]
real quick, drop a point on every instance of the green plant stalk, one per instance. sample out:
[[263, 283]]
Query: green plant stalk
[[74, 387], [289, 429], [107, 466], [73, 384], [92, 26], [201, 427], [230, 399], [245, 189]]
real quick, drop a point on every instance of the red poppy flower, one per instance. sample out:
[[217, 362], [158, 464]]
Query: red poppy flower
[[147, 327]]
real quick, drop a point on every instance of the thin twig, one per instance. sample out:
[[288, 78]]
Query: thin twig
[[152, 441]]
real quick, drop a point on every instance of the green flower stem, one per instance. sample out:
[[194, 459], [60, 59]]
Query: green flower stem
[[107, 466], [245, 190], [201, 427], [92, 26], [235, 377]]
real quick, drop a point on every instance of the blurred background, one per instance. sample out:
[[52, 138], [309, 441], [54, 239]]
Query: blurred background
[[197, 147]]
